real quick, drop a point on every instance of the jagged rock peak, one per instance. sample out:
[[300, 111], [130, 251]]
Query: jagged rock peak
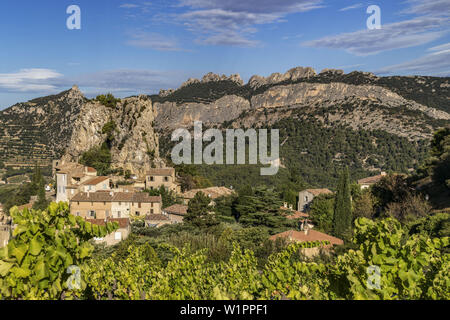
[[189, 81], [292, 74], [332, 72], [211, 77]]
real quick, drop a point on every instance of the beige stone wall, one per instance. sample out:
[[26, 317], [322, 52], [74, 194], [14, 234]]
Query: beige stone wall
[[82, 209], [159, 181], [114, 237], [175, 218], [4, 235], [104, 185], [145, 208]]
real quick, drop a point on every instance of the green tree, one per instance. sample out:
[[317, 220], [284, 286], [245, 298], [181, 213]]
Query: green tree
[[322, 212], [342, 220], [41, 203], [98, 158], [199, 212]]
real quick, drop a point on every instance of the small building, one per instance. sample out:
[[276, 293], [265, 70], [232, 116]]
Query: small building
[[308, 235], [306, 197], [212, 192], [369, 181], [176, 212], [155, 178], [115, 237], [157, 220], [96, 184]]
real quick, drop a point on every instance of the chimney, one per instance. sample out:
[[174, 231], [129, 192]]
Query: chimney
[[285, 205], [290, 206], [383, 173]]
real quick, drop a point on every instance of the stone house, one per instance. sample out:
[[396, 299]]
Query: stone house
[[155, 178], [369, 181], [115, 237], [96, 184], [306, 197], [114, 205], [308, 235], [69, 177], [176, 213]]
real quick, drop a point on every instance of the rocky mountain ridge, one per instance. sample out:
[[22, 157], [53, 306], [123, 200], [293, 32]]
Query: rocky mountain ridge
[[69, 124]]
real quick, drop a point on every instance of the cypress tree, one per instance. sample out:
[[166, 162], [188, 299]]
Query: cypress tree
[[342, 221]]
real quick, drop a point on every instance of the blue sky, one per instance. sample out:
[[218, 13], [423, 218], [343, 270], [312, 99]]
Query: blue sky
[[130, 47]]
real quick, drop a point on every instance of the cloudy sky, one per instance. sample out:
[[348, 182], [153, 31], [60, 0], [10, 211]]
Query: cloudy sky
[[134, 46]]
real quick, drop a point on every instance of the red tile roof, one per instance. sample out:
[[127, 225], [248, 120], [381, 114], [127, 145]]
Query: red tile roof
[[371, 180], [95, 181], [297, 215], [161, 172], [177, 209], [312, 235]]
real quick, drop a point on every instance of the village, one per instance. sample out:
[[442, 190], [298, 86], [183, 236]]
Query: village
[[102, 199]]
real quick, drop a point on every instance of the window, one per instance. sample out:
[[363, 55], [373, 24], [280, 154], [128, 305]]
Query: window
[[152, 204], [139, 205], [78, 203], [120, 203], [64, 189], [152, 211], [92, 214], [72, 191], [107, 213], [78, 214], [166, 179], [104, 186], [138, 213], [151, 178], [118, 214]]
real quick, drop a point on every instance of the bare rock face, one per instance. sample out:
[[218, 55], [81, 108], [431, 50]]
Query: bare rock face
[[293, 74], [189, 82], [135, 146], [170, 116], [212, 77]]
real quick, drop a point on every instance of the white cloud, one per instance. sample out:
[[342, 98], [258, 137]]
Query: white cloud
[[432, 63], [355, 6], [404, 34], [441, 47], [232, 22], [29, 80], [428, 7], [153, 41], [129, 6]]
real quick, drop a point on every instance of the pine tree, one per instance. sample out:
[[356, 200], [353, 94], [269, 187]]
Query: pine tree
[[342, 221], [199, 212], [41, 202]]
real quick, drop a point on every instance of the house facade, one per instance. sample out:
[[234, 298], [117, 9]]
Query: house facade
[[114, 205], [176, 213], [212, 192], [155, 178], [306, 197]]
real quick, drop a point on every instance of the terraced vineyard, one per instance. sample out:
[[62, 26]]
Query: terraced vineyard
[[38, 130]]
